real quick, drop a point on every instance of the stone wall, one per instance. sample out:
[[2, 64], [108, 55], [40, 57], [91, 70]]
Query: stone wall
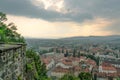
[[12, 61]]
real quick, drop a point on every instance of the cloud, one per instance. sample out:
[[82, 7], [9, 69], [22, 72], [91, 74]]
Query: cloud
[[55, 5], [91, 27], [62, 10], [27, 8], [115, 27], [38, 28], [64, 17]]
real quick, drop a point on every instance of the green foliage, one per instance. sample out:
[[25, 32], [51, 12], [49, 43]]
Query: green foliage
[[81, 76], [85, 76], [96, 59], [78, 54], [66, 54], [30, 53], [74, 53], [51, 50], [19, 78], [118, 78], [43, 52], [2, 17], [62, 50], [29, 67], [36, 67], [8, 32], [69, 77]]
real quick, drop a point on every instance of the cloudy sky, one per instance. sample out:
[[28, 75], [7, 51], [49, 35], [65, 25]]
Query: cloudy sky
[[63, 18]]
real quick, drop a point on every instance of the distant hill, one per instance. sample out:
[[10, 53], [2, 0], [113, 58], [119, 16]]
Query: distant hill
[[115, 39]]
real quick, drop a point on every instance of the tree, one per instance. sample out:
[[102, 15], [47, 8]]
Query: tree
[[8, 32], [66, 54], [74, 53], [69, 77], [62, 50], [110, 78], [51, 50], [79, 54], [85, 76], [118, 78], [36, 68], [2, 17], [95, 76], [96, 59]]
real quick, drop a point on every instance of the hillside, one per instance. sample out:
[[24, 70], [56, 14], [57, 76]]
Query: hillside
[[73, 41]]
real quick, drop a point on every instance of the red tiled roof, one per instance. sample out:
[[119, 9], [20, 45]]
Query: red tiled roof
[[62, 70], [101, 74], [91, 62], [108, 66], [77, 68], [67, 62], [46, 60]]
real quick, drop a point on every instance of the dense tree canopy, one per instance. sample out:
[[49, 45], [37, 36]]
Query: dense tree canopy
[[34, 67], [8, 33], [81, 76], [69, 77], [85, 76]]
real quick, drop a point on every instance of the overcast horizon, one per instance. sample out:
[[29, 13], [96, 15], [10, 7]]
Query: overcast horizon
[[63, 18]]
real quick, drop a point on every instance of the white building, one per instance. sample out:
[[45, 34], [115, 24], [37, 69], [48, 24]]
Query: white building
[[50, 64], [63, 65]]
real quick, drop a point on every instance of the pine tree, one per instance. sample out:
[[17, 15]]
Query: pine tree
[[79, 54], [74, 53], [66, 54]]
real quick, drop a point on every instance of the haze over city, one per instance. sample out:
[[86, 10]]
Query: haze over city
[[63, 18]]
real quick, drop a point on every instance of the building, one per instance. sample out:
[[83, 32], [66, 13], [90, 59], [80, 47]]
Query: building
[[107, 68], [70, 65], [60, 72], [12, 61], [49, 62], [115, 63]]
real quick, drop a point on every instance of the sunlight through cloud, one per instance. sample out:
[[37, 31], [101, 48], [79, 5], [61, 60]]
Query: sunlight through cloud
[[55, 5]]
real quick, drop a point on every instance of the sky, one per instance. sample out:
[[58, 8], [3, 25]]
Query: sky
[[63, 18]]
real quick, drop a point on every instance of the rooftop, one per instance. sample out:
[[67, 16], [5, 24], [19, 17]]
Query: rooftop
[[108, 66], [62, 70]]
